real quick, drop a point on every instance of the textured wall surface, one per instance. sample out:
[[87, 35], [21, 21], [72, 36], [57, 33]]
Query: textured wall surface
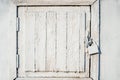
[[4, 24], [7, 39], [110, 40]]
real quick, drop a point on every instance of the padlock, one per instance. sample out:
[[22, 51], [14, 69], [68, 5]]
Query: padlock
[[93, 49]]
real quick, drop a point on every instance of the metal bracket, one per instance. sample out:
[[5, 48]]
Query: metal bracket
[[17, 61], [17, 24]]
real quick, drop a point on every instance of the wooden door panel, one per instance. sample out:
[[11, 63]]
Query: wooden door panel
[[54, 41]]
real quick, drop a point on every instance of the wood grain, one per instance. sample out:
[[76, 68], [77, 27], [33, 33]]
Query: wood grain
[[53, 39], [40, 40], [29, 42], [61, 41], [53, 79], [55, 2], [73, 41]]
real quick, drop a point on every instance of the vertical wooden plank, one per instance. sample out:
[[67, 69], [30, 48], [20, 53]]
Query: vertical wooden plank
[[51, 38], [21, 42], [40, 40], [61, 41], [87, 64], [88, 29], [95, 33], [73, 41], [82, 41], [94, 66], [95, 21], [29, 41]]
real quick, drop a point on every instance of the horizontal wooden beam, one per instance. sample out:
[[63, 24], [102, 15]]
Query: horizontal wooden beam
[[56, 75], [53, 79], [55, 2]]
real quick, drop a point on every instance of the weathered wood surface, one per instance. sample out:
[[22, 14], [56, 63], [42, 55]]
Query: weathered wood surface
[[94, 66], [95, 35], [51, 39], [56, 74], [29, 42], [54, 79], [61, 42], [21, 42], [51, 21], [40, 43], [55, 2]]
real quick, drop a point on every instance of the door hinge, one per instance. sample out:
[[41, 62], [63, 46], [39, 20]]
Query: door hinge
[[17, 24], [17, 60]]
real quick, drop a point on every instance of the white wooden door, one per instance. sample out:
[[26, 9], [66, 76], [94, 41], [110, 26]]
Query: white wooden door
[[51, 43]]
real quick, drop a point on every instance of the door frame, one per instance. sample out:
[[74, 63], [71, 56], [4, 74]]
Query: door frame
[[95, 31]]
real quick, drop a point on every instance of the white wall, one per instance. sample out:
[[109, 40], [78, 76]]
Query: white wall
[[110, 40], [7, 39], [4, 17]]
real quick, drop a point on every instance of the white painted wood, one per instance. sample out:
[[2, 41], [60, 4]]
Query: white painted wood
[[51, 41], [95, 22], [95, 35], [29, 42], [61, 41], [54, 79], [55, 2], [40, 40], [82, 40], [21, 42], [57, 74], [87, 30], [87, 64], [73, 41], [94, 66]]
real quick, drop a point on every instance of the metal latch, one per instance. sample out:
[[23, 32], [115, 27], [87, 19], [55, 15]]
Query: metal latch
[[92, 46], [93, 49]]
